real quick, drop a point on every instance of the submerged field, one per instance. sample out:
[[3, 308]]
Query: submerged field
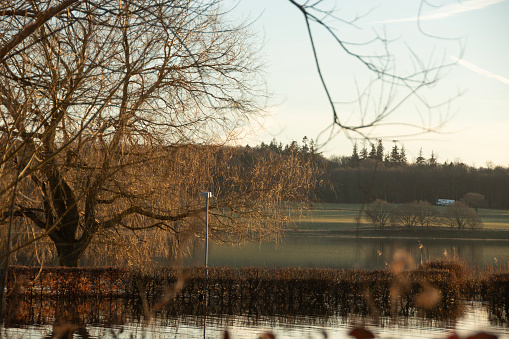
[[339, 236], [434, 289], [315, 273], [351, 218]]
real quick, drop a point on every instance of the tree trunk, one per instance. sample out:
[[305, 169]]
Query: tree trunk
[[64, 220], [69, 255]]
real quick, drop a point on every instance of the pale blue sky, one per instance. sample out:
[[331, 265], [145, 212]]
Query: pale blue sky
[[476, 126]]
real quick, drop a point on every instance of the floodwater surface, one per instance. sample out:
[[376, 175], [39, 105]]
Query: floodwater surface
[[475, 319], [310, 251], [337, 252]]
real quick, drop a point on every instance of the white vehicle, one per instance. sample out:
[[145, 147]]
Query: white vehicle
[[444, 202]]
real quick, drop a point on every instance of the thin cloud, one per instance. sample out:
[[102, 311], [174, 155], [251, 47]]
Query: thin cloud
[[449, 10], [481, 71]]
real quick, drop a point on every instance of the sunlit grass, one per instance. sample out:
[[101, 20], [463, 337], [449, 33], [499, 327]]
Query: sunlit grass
[[331, 217], [495, 219]]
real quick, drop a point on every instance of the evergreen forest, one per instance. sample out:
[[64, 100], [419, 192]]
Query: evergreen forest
[[374, 172]]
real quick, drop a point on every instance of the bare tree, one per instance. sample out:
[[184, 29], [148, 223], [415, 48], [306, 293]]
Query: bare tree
[[390, 86], [379, 213], [415, 213], [474, 221], [405, 214], [103, 111], [461, 216], [11, 11], [426, 213], [474, 200]]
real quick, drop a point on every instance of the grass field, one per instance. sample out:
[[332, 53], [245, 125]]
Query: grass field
[[330, 217], [495, 219], [343, 217]]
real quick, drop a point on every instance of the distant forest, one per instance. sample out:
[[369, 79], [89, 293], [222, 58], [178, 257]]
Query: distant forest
[[376, 173]]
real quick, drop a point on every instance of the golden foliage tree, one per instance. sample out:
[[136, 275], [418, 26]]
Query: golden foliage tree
[[108, 110]]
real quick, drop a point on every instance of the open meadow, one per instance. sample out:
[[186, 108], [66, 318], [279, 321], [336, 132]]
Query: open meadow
[[351, 217]]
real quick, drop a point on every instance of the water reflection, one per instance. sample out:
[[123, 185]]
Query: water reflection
[[336, 252], [280, 308], [242, 326], [120, 318]]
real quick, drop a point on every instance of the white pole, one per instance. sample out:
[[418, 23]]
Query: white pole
[[206, 195], [207, 232]]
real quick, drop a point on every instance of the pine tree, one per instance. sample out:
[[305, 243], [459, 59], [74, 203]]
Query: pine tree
[[372, 153], [402, 156], [312, 147], [420, 159], [432, 160], [305, 147], [380, 151], [273, 145], [394, 157], [292, 148], [354, 159], [364, 153]]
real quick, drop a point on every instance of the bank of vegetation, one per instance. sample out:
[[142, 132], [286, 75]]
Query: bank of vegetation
[[434, 290]]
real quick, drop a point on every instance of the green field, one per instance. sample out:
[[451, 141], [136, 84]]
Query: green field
[[344, 217]]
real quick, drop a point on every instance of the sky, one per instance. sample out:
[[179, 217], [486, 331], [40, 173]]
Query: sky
[[462, 117]]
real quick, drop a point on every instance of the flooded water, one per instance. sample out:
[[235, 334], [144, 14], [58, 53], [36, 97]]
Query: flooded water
[[475, 319], [302, 251], [337, 252]]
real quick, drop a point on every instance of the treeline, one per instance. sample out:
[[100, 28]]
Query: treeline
[[374, 173], [461, 215], [393, 158], [308, 146], [416, 182]]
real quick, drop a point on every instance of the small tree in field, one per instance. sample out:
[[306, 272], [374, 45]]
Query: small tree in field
[[379, 213], [474, 221], [474, 200], [405, 214], [426, 213], [461, 216]]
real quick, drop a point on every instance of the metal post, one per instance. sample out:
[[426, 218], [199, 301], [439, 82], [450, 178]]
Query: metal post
[[206, 195]]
